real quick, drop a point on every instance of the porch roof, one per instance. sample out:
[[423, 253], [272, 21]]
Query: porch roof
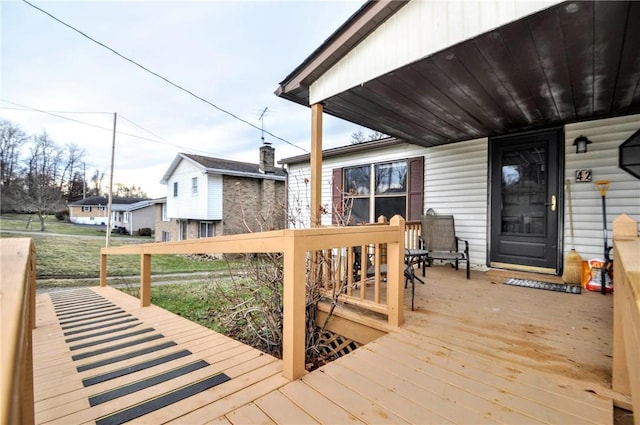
[[574, 61]]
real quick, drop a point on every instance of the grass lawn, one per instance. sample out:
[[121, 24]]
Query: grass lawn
[[194, 301], [75, 256], [19, 222]]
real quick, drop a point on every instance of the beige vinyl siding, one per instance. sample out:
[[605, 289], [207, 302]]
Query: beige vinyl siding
[[456, 183], [602, 158], [419, 29]]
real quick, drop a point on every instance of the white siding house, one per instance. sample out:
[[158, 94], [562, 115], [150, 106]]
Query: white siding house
[[209, 196], [494, 97]]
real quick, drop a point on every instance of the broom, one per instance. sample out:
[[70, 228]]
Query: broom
[[572, 273]]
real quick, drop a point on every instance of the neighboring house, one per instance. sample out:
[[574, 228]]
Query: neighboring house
[[140, 215], [131, 214], [212, 196], [493, 97]]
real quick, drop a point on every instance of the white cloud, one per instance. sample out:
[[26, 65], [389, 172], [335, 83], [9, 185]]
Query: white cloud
[[231, 53]]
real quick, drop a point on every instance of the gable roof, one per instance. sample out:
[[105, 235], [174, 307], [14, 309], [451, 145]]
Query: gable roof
[[212, 165], [103, 200]]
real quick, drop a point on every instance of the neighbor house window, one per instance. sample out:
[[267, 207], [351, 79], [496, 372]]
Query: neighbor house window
[[194, 186], [102, 208], [206, 229], [373, 190], [175, 189], [163, 209], [166, 236], [126, 217], [86, 209]]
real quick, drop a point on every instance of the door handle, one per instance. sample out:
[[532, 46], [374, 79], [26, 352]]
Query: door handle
[[553, 202]]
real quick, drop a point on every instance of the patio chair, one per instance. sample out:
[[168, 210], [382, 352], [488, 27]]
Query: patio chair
[[439, 239]]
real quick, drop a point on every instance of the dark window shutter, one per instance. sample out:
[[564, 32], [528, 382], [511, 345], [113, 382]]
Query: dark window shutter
[[415, 194], [336, 195]]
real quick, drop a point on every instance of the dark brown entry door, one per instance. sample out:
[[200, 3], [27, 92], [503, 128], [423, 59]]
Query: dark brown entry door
[[525, 200]]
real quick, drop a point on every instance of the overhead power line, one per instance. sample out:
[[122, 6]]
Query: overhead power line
[[155, 74], [163, 141]]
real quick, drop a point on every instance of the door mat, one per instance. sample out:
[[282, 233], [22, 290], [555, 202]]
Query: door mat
[[537, 284]]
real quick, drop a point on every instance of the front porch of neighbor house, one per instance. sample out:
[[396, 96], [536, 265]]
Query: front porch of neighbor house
[[472, 351]]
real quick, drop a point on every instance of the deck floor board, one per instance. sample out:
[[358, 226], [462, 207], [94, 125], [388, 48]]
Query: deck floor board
[[472, 352]]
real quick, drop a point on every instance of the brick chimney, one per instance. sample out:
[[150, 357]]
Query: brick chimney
[[267, 162]]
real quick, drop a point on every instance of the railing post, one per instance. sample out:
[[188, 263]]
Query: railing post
[[103, 270], [294, 294], [626, 316], [395, 267], [145, 280]]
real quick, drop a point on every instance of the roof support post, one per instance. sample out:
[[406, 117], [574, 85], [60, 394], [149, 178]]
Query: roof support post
[[316, 164]]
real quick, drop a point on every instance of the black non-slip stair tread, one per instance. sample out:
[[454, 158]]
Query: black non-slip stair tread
[[146, 382], [126, 356], [101, 333], [57, 296], [111, 339], [87, 382], [91, 316], [77, 325], [116, 347], [151, 405], [120, 322], [76, 301], [85, 311]]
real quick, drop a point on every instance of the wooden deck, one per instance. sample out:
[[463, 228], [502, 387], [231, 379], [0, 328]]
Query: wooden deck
[[474, 351]]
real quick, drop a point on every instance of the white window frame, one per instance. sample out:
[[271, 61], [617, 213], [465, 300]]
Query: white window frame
[[86, 208], [175, 189], [194, 186], [209, 226], [371, 195]]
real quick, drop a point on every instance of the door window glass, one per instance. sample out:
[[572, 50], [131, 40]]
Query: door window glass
[[524, 191]]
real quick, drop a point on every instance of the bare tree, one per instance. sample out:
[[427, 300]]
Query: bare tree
[[44, 177], [73, 159], [360, 137], [96, 183], [125, 191], [12, 138]]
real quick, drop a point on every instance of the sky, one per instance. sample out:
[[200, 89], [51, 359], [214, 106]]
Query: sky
[[231, 53]]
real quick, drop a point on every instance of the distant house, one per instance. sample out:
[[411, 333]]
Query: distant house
[[209, 196], [131, 214]]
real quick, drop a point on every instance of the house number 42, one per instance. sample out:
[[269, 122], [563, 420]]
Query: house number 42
[[583, 176]]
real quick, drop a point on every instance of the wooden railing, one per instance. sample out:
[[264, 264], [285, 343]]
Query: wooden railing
[[626, 311], [17, 294], [413, 230], [302, 248]]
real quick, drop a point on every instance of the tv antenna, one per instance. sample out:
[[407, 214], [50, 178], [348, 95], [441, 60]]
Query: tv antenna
[[261, 119]]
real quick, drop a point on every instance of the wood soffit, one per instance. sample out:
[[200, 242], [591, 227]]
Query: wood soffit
[[575, 61]]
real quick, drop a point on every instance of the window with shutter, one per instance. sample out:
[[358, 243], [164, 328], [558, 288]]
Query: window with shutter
[[363, 193]]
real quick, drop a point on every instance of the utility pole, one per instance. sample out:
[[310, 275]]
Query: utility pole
[[84, 180], [113, 151]]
